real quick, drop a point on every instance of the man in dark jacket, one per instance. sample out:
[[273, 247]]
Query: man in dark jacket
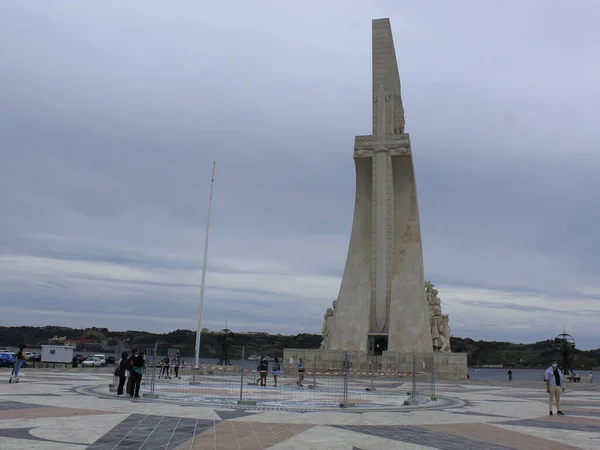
[[263, 369], [123, 367], [137, 370]]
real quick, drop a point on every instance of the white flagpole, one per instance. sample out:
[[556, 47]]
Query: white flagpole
[[199, 332]]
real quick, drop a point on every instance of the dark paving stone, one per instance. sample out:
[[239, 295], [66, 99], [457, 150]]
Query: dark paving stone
[[472, 413], [582, 413], [7, 405], [36, 395], [226, 415], [554, 424], [101, 447], [581, 404], [423, 436], [150, 432]]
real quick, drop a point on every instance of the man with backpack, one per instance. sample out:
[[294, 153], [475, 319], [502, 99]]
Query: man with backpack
[[137, 369]]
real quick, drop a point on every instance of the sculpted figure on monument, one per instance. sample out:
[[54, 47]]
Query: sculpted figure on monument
[[326, 328], [432, 298], [436, 328], [445, 335], [440, 325]]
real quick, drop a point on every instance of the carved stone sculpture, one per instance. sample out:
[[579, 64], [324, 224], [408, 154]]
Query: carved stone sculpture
[[436, 328], [440, 327], [326, 328], [445, 334]]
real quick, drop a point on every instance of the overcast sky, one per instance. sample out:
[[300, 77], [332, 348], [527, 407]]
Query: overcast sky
[[112, 112]]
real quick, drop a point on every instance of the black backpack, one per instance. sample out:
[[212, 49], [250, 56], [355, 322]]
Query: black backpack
[[138, 360]]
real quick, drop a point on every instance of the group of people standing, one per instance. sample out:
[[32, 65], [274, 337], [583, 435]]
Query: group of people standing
[[166, 364], [263, 370], [130, 371]]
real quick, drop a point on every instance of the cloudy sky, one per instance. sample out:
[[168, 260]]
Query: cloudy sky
[[112, 112]]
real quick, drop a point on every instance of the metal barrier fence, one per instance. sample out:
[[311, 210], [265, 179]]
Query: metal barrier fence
[[350, 381]]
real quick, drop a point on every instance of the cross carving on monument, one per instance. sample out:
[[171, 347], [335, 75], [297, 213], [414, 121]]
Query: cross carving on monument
[[394, 144]]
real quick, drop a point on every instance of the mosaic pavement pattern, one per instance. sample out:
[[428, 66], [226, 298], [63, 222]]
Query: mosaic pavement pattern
[[47, 410]]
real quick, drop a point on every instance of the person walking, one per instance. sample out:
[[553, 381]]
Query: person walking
[[554, 385], [177, 364], [510, 374], [275, 370], [122, 372], [137, 369], [19, 362], [166, 365], [263, 370], [300, 372]]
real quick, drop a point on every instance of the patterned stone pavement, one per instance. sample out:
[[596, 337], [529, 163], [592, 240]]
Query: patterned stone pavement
[[74, 410]]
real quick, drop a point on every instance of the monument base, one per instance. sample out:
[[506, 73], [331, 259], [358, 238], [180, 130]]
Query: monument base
[[445, 366]]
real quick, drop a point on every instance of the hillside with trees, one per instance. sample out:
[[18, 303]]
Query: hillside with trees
[[480, 353]]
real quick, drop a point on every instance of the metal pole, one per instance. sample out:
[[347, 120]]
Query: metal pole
[[414, 380], [199, 332], [315, 372], [372, 375], [433, 396], [153, 382], [242, 377], [346, 364]]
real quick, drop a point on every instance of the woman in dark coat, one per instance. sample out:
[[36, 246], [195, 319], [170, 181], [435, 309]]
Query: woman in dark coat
[[123, 367]]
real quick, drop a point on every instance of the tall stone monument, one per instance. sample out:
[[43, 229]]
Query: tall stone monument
[[384, 306], [382, 300]]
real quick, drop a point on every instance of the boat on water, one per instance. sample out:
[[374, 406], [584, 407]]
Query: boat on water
[[257, 358]]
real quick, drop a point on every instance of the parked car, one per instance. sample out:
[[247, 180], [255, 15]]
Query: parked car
[[79, 358], [110, 360], [102, 357], [93, 361], [36, 357], [7, 359]]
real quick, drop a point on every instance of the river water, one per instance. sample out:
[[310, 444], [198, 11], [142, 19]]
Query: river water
[[521, 375]]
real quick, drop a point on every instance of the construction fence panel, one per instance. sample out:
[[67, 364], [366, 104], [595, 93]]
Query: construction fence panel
[[329, 379]]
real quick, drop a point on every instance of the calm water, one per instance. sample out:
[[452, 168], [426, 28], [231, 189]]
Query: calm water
[[521, 375]]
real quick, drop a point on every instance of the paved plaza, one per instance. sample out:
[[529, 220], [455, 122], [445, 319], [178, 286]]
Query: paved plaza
[[64, 409]]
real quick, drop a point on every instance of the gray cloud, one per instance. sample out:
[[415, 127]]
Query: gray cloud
[[111, 117]]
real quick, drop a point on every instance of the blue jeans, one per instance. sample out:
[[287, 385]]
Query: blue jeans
[[18, 365]]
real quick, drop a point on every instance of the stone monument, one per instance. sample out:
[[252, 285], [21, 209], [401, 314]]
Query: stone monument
[[382, 303], [384, 306]]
